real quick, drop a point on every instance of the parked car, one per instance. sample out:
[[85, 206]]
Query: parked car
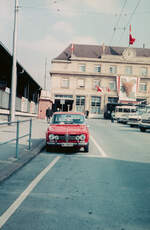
[[134, 119], [145, 121], [68, 129]]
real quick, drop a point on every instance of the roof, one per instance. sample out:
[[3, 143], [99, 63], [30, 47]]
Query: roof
[[5, 53], [96, 51]]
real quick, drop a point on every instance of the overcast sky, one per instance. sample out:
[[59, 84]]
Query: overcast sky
[[47, 27]]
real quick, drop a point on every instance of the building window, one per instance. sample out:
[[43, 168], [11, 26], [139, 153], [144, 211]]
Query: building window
[[96, 83], [142, 101], [113, 69], [80, 83], [95, 105], [82, 67], [143, 71], [65, 83], [80, 104], [143, 87], [97, 68], [63, 96], [112, 85], [128, 70], [112, 99]]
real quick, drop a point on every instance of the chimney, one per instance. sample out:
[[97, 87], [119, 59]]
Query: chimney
[[143, 45]]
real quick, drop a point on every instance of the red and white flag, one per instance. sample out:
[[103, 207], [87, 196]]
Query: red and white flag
[[131, 39], [99, 89]]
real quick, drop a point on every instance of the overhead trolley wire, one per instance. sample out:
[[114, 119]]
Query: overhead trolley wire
[[115, 26], [129, 21]]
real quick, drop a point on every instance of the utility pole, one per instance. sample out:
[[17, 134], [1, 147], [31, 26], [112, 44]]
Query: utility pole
[[14, 65], [45, 73]]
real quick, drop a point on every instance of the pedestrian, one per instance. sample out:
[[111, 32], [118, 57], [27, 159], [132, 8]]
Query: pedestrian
[[112, 117], [48, 114], [86, 113]]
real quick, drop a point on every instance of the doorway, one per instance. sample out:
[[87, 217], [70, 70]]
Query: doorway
[[67, 105]]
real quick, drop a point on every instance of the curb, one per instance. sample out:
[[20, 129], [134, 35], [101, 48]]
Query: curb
[[18, 164]]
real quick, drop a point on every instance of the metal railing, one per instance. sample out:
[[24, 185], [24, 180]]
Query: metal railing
[[17, 134]]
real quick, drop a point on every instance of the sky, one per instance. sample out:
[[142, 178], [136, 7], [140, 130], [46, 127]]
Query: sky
[[46, 27]]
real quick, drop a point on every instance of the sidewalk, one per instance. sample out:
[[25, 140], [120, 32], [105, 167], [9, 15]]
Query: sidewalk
[[8, 162]]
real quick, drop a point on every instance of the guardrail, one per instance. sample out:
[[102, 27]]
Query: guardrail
[[17, 134]]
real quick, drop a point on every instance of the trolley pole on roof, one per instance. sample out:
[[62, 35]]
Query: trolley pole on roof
[[14, 66]]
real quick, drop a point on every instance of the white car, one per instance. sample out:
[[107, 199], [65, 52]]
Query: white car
[[145, 121]]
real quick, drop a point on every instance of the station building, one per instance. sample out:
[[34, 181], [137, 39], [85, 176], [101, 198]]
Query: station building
[[87, 77], [27, 92]]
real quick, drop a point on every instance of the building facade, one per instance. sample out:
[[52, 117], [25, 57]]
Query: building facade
[[45, 101], [90, 76]]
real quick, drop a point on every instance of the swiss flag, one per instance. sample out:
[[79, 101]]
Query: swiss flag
[[99, 89], [131, 39]]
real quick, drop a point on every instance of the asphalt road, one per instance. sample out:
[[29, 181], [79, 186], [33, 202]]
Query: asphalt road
[[106, 189]]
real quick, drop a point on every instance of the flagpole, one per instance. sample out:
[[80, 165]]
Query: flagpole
[[131, 39], [129, 33]]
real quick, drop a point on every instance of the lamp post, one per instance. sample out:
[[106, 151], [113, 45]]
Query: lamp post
[[14, 66]]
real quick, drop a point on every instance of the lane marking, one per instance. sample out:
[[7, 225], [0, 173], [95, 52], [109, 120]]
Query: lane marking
[[5, 162], [9, 212], [102, 152], [88, 155]]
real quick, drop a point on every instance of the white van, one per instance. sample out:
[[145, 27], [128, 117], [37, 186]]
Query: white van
[[122, 113]]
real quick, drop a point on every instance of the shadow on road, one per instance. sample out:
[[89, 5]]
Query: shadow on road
[[65, 151], [131, 129]]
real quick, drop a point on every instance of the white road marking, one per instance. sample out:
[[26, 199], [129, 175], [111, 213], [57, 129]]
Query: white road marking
[[88, 155], [9, 212], [102, 152], [6, 162]]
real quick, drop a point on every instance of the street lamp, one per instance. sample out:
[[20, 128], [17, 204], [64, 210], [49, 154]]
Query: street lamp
[[14, 67]]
